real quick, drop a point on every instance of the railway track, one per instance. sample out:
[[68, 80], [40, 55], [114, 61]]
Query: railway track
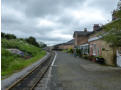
[[30, 81]]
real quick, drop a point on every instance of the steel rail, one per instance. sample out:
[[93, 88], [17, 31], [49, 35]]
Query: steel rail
[[41, 69]]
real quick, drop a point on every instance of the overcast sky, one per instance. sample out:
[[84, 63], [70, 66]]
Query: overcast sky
[[53, 21]]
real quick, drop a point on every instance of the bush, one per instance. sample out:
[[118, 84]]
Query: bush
[[8, 36], [21, 45], [99, 57], [70, 50], [65, 50], [12, 62], [32, 40], [79, 52], [5, 62], [85, 56], [2, 35], [91, 57]]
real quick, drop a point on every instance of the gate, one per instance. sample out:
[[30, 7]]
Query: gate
[[119, 57]]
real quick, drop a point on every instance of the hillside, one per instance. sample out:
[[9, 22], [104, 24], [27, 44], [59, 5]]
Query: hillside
[[13, 62], [113, 31], [116, 23]]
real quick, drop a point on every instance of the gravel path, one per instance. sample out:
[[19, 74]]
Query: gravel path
[[8, 81], [70, 73]]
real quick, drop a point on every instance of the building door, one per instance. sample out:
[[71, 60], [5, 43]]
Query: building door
[[94, 50], [119, 57]]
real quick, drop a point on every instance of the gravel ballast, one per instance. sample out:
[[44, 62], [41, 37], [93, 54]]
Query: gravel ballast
[[10, 80]]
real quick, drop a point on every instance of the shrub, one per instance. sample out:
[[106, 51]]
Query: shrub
[[91, 57], [65, 50], [12, 62], [8, 36], [79, 52], [70, 50], [32, 40], [85, 56], [21, 45], [99, 57], [2, 35], [5, 62]]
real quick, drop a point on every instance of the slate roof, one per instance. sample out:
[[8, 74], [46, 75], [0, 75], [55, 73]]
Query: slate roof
[[82, 33], [69, 42]]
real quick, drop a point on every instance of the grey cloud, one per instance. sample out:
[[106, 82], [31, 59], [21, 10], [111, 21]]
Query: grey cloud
[[50, 10], [10, 20], [48, 38], [49, 7], [66, 20], [43, 7], [106, 5]]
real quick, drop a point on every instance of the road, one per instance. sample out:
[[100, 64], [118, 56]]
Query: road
[[73, 73]]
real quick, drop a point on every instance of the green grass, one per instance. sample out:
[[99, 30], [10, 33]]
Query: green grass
[[115, 23], [118, 14], [12, 63], [21, 45], [65, 50]]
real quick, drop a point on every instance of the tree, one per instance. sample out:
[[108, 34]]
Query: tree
[[8, 36], [42, 45], [113, 35], [32, 40], [2, 35]]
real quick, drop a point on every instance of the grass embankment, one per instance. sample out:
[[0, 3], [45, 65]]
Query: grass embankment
[[116, 24], [12, 63], [118, 14]]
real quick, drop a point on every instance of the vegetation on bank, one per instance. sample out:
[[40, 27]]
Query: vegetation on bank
[[68, 50], [117, 13], [11, 62], [30, 40], [113, 30], [113, 33]]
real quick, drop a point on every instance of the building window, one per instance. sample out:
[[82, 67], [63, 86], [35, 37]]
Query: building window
[[85, 49]]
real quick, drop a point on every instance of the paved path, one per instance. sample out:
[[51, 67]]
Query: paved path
[[70, 73]]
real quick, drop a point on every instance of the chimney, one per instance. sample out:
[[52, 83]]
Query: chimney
[[85, 29], [113, 15], [96, 27]]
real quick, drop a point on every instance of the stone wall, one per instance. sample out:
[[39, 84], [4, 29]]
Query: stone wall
[[105, 51], [81, 40]]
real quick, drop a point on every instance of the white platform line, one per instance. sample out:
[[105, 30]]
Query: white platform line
[[50, 71], [54, 59]]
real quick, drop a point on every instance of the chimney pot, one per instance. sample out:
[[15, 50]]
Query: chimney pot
[[96, 27], [85, 29]]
